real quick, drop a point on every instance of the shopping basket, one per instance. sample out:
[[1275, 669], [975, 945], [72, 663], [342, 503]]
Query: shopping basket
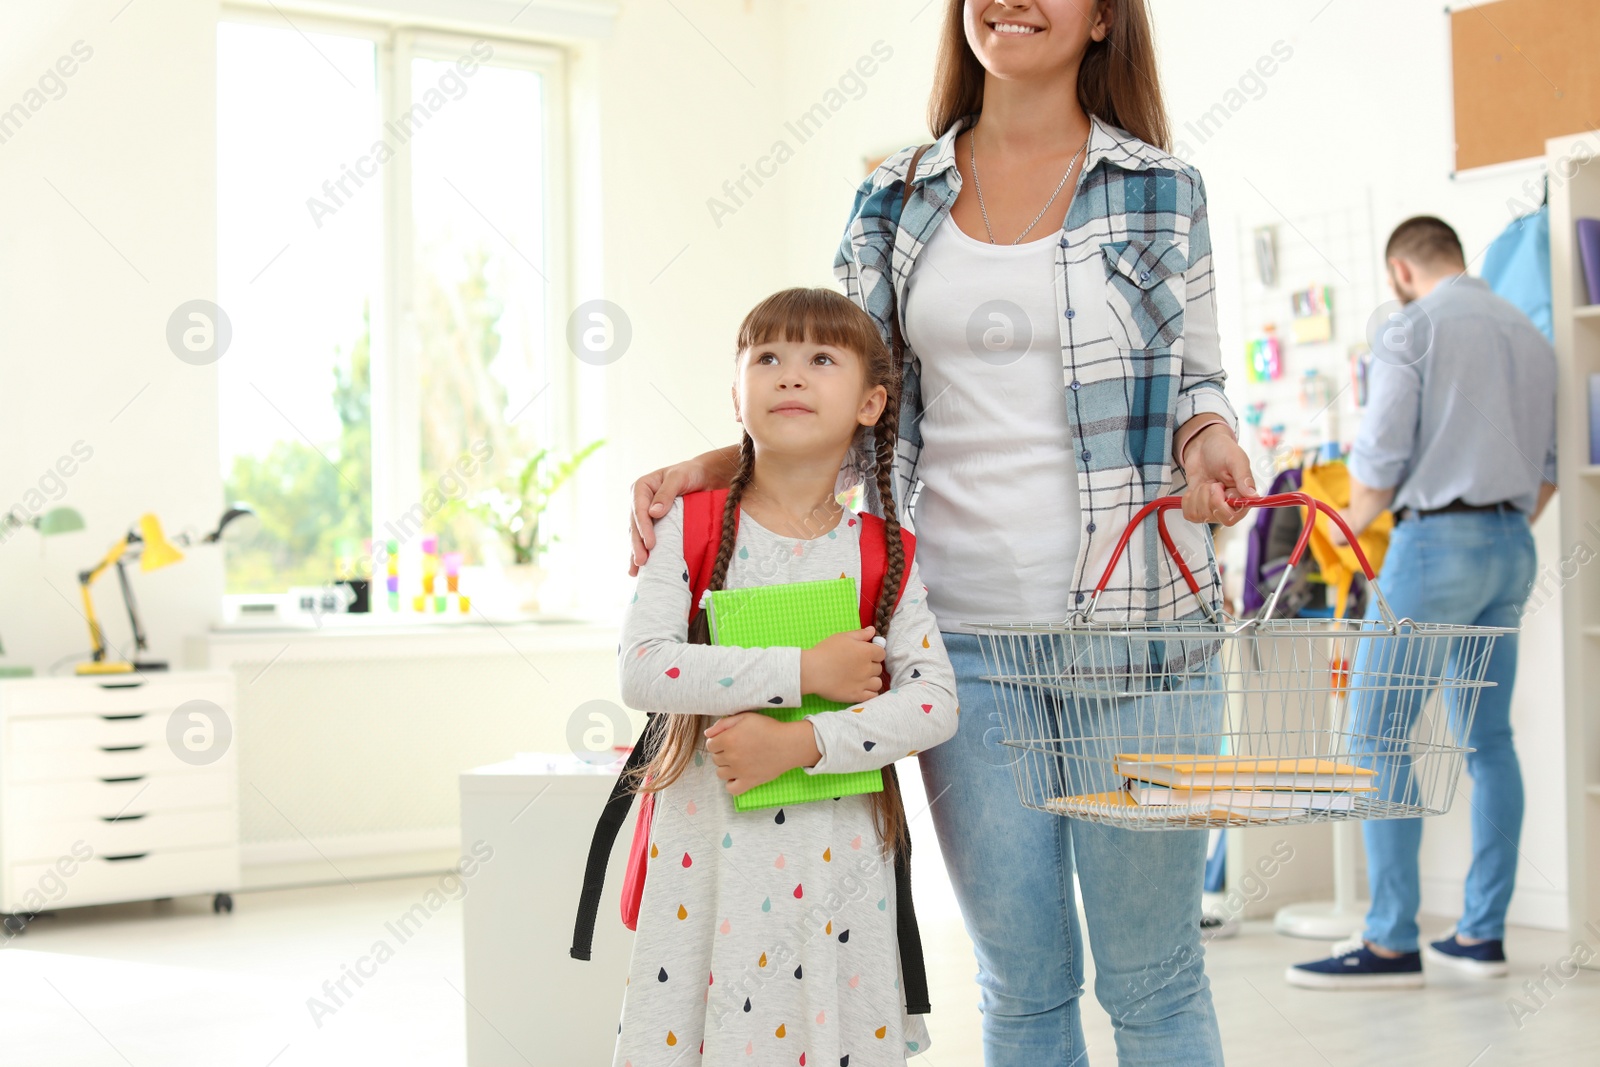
[[1210, 721]]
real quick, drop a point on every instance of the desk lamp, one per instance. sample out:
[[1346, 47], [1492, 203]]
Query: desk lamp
[[146, 543]]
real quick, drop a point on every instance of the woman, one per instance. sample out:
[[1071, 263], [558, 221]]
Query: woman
[[1048, 234]]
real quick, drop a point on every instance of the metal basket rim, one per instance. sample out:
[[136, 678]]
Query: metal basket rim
[[1236, 629]]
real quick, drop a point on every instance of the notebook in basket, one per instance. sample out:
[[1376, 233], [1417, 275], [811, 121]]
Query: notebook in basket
[[799, 615]]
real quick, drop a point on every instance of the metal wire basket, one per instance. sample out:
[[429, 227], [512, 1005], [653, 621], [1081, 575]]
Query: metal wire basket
[[1213, 721]]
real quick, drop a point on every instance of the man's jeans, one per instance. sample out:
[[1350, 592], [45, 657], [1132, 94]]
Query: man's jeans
[[1012, 870], [1473, 568]]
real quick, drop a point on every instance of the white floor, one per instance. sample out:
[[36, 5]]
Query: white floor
[[171, 984]]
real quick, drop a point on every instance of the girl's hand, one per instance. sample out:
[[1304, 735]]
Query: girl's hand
[[847, 667], [654, 493], [751, 748], [1217, 469]]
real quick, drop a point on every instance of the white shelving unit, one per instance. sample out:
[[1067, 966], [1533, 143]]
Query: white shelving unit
[[1575, 194], [102, 801]]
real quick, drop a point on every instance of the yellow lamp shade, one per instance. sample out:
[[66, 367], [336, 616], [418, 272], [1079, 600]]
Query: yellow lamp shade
[[158, 551]]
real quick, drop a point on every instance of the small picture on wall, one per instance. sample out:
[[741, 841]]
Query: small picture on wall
[[1313, 315], [1264, 357]]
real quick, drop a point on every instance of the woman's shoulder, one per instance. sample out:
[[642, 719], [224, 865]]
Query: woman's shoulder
[[1133, 154], [894, 167]]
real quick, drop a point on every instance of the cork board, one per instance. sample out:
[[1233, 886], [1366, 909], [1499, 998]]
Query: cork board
[[1524, 71]]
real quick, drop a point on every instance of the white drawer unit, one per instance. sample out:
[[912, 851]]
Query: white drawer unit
[[117, 788]]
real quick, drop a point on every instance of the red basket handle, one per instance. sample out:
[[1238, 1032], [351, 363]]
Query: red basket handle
[[1162, 505]]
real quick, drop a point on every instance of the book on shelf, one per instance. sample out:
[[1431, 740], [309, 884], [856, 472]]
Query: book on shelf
[[1232, 772], [791, 615], [1594, 419]]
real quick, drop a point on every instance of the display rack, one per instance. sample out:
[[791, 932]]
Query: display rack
[[1574, 180]]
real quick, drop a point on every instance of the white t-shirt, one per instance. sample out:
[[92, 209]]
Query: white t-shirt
[[997, 516]]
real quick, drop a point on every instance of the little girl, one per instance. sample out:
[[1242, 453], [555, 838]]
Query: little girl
[[768, 936]]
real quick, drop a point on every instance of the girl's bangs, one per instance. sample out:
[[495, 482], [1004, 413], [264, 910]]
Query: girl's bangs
[[808, 316]]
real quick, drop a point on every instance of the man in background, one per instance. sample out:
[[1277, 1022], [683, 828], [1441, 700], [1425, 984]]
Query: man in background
[[1459, 437]]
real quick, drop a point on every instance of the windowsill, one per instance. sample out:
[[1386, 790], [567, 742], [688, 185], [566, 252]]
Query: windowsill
[[358, 639], [368, 624]]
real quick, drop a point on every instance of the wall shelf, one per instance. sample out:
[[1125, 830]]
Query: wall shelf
[[1577, 345]]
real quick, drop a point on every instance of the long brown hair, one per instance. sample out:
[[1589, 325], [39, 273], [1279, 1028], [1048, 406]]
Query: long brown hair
[[1117, 80], [817, 316]]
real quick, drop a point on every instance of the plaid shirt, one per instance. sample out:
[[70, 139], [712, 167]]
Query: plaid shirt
[[1156, 363]]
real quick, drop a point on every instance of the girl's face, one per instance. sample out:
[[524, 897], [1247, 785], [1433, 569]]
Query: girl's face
[[1033, 38], [802, 398]]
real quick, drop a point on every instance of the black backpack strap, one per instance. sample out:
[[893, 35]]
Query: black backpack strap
[[913, 970], [605, 835]]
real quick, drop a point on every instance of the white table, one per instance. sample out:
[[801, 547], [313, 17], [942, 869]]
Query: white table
[[528, 1000]]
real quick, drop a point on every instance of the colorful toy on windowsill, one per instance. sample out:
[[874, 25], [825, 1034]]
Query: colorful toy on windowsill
[[431, 600], [391, 582]]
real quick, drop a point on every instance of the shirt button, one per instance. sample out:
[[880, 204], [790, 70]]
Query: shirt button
[[1090, 528], [1144, 276], [1076, 383], [1070, 313], [1080, 598], [1086, 455], [1063, 242]]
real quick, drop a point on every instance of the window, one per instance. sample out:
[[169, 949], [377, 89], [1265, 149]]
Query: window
[[387, 225]]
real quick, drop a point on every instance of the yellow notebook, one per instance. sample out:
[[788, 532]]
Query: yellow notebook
[[1119, 804], [1229, 772]]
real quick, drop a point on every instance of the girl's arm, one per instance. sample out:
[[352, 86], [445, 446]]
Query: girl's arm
[[918, 711], [660, 671]]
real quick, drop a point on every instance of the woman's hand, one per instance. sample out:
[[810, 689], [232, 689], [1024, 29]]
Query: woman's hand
[[654, 493], [1217, 469], [750, 748]]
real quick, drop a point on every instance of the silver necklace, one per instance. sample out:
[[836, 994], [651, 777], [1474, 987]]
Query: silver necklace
[[972, 160]]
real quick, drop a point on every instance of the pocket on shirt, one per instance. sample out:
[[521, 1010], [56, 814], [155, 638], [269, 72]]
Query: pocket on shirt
[[1145, 290]]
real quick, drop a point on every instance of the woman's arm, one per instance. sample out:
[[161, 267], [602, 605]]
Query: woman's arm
[[654, 493], [660, 671], [1214, 465], [918, 711]]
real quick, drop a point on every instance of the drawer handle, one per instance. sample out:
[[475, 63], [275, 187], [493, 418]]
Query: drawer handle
[[124, 778], [121, 748], [122, 685], [123, 818], [121, 718], [125, 856]]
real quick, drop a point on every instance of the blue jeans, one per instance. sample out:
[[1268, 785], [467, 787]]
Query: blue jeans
[[1472, 568], [1012, 869]]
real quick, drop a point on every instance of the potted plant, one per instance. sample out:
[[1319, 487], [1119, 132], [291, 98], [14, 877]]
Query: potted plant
[[512, 510]]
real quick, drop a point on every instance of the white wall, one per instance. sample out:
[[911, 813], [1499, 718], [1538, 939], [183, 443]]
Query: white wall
[[110, 224]]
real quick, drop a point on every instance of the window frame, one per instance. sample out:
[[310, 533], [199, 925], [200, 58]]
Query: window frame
[[396, 392]]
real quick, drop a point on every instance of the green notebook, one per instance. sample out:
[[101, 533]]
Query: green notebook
[[799, 615]]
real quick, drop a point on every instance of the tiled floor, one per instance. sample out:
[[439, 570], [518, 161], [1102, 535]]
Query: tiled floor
[[171, 984]]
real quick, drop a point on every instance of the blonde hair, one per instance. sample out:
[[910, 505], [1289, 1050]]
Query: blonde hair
[[818, 316]]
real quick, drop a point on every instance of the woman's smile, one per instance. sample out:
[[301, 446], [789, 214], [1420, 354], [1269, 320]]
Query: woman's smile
[[1014, 29]]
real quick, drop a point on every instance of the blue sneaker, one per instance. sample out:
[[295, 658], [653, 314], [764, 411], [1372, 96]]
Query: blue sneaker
[[1486, 959], [1354, 966]]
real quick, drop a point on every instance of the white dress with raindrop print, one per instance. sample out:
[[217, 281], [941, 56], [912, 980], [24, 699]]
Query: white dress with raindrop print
[[768, 937]]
